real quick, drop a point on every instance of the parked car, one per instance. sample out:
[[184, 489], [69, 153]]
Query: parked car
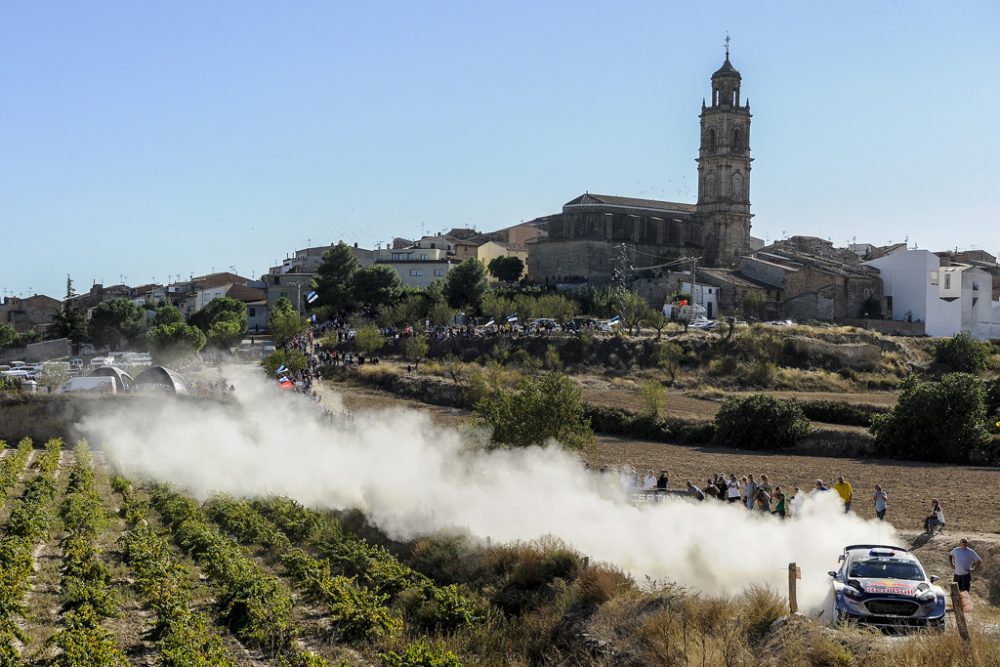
[[76, 363], [886, 586], [97, 362]]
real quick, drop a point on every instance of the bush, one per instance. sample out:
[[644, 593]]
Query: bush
[[536, 410], [838, 412], [941, 421], [421, 654], [651, 395], [760, 422], [963, 353]]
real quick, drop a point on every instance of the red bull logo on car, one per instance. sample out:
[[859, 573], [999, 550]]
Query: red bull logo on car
[[888, 586]]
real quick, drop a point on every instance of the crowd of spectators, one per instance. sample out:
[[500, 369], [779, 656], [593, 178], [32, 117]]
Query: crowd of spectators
[[756, 493]]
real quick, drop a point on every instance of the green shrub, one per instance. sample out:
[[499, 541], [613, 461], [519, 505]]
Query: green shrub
[[536, 410], [760, 422], [651, 396], [941, 421], [838, 412], [963, 353], [420, 654]]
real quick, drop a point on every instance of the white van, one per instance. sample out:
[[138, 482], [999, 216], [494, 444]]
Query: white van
[[100, 384]]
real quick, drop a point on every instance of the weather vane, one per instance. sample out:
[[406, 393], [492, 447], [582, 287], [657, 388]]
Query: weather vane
[[727, 45]]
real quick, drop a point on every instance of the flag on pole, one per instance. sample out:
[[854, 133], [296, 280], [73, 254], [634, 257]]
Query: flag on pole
[[281, 369], [615, 320], [490, 323], [511, 319], [311, 296], [284, 379]]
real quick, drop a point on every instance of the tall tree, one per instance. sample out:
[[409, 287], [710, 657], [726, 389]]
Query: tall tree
[[376, 285], [69, 322], [333, 281], [174, 339], [465, 285], [116, 322], [167, 313], [224, 321], [285, 323], [507, 268]]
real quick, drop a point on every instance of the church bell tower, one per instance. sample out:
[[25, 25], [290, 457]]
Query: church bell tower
[[724, 170]]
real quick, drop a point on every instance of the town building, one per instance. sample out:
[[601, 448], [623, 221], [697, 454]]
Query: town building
[[32, 313], [417, 266], [585, 239], [946, 297]]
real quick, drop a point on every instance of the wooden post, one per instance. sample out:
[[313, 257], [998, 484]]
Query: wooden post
[[793, 603], [956, 606], [489, 542], [586, 563]]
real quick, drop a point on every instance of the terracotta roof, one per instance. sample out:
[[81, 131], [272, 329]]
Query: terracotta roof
[[590, 199], [246, 294]]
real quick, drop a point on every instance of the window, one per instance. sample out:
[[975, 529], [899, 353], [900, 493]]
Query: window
[[416, 272], [277, 280], [423, 256], [947, 281], [252, 312], [438, 272], [711, 140]]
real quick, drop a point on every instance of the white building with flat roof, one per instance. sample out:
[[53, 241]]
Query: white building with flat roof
[[948, 299]]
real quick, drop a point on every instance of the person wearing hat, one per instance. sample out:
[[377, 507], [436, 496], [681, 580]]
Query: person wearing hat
[[965, 561]]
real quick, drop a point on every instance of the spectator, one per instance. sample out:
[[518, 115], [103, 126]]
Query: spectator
[[765, 485], [649, 482], [721, 486], [763, 501], [881, 499], [820, 486], [936, 518], [751, 492], [661, 483], [694, 491], [965, 561], [779, 506], [846, 493], [732, 489]]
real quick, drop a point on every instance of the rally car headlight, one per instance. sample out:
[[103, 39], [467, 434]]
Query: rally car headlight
[[927, 596], [853, 593]]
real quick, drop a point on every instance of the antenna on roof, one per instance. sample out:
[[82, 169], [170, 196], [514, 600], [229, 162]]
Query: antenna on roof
[[727, 40]]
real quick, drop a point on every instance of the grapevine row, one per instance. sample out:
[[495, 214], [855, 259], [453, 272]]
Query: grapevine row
[[87, 593], [427, 606], [29, 523], [11, 467], [255, 605], [185, 636], [357, 614]]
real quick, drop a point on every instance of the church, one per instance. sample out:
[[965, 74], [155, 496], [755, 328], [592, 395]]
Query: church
[[584, 242]]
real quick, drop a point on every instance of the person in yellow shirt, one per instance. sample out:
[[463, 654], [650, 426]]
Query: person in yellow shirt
[[846, 493]]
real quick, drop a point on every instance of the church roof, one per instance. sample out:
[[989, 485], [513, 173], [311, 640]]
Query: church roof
[[631, 202], [727, 70]]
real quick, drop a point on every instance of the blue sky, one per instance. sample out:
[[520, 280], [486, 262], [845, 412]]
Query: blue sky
[[148, 140]]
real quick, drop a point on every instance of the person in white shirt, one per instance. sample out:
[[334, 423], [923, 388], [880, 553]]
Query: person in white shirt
[[649, 481], [733, 489], [965, 561], [936, 518]]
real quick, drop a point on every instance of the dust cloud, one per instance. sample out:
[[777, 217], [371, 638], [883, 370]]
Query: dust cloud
[[413, 477]]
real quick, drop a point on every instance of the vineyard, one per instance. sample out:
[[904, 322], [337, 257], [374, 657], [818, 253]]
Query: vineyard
[[98, 570]]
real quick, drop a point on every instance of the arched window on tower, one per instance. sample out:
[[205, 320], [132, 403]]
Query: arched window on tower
[[737, 141], [711, 140]]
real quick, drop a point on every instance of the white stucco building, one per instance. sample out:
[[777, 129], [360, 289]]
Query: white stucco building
[[947, 299]]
